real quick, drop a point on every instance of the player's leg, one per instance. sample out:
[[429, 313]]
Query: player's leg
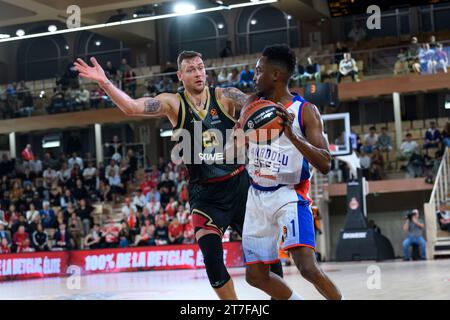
[[305, 260], [298, 231], [209, 224], [258, 275]]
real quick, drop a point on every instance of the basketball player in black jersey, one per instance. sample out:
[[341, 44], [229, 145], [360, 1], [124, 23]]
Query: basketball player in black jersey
[[217, 192]]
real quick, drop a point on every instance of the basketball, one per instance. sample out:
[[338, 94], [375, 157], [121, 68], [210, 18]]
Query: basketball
[[260, 121]]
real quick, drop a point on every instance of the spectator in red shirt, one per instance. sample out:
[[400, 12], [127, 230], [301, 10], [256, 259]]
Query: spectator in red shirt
[[111, 234], [5, 248], [184, 194], [182, 215], [189, 233], [19, 238], [170, 207], [27, 153], [175, 232]]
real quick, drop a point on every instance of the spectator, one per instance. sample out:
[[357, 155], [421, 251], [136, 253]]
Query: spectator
[[246, 79], [27, 153], [152, 88], [116, 185], [233, 78], [62, 238], [427, 60], [124, 67], [129, 82], [312, 71], [441, 59], [433, 43], [25, 247], [364, 161], [443, 217], [84, 212], [19, 238], [370, 140], [211, 78], [75, 159], [172, 70], [357, 33], [64, 173], [414, 228], [445, 135], [94, 240], [40, 239], [111, 233], [161, 233], [47, 214], [128, 207], [413, 55], [175, 231], [407, 147], [153, 206], [32, 213], [415, 165], [189, 233], [50, 176], [347, 67], [66, 199], [384, 142], [124, 235], [4, 234], [146, 236], [89, 176], [58, 100], [226, 52], [76, 230], [339, 53], [80, 191], [113, 165], [5, 247], [222, 78], [376, 165], [111, 72], [139, 200], [432, 136], [402, 64]]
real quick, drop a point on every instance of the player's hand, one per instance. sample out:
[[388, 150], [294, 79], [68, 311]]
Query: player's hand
[[95, 73], [287, 119]]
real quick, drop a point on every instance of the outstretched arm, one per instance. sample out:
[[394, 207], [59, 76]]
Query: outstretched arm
[[154, 107]]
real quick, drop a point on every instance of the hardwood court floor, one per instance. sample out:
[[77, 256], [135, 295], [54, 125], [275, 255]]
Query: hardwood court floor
[[398, 280]]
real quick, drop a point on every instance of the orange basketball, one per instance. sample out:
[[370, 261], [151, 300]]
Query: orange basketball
[[260, 121]]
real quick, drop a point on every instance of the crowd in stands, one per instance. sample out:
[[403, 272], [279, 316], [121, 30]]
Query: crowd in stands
[[373, 151], [426, 58], [49, 203]]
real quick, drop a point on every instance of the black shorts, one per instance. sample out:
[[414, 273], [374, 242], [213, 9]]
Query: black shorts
[[216, 206]]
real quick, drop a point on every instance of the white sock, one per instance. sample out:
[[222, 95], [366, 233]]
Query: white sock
[[342, 297], [295, 296]]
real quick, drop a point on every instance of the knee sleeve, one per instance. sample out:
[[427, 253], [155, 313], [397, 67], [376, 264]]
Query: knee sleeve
[[211, 246]]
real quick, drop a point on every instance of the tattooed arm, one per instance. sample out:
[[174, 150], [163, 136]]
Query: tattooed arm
[[233, 98], [162, 105]]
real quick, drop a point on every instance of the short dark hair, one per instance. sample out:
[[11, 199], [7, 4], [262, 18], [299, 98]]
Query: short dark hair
[[409, 134], [187, 55], [373, 128], [281, 54]]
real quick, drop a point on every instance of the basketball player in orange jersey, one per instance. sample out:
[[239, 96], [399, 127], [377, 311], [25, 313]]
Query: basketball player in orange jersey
[[278, 201], [217, 192]]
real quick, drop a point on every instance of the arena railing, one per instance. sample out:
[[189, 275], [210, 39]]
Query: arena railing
[[439, 195]]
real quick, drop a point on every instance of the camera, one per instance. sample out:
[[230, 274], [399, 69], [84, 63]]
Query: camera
[[409, 215]]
